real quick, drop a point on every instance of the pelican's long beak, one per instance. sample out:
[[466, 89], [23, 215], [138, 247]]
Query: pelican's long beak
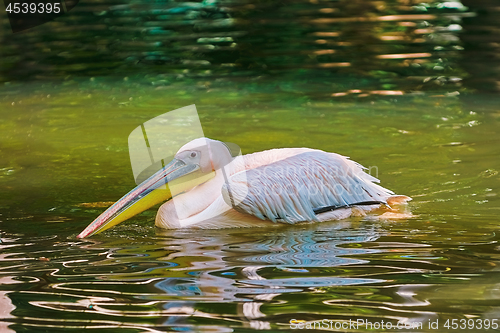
[[149, 193]]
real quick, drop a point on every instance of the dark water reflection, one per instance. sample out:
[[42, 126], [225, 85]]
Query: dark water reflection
[[386, 47]]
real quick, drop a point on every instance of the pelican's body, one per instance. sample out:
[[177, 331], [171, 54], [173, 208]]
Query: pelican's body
[[287, 185]]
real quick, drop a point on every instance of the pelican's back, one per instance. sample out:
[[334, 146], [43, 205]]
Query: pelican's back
[[294, 188]]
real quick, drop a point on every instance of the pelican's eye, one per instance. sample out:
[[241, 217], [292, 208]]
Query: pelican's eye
[[193, 154]]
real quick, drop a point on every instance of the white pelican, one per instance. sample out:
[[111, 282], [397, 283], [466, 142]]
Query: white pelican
[[215, 190]]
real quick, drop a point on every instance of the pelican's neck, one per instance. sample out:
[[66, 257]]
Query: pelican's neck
[[204, 201], [199, 198], [190, 207]]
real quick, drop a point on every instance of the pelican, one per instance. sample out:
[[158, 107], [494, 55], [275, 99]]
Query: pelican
[[209, 188]]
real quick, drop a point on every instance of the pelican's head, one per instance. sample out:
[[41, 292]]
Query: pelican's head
[[195, 163], [209, 155]]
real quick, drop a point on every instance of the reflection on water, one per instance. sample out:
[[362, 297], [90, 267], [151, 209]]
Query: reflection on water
[[222, 280], [173, 278], [338, 47]]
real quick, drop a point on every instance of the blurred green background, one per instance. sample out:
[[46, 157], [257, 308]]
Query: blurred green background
[[405, 45]]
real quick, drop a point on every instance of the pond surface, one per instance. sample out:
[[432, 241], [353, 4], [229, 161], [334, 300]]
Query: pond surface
[[64, 157]]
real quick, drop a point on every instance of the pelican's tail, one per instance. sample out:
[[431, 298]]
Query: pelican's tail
[[397, 200]]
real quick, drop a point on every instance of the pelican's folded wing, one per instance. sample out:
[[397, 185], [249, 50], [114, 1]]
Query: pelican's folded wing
[[292, 189]]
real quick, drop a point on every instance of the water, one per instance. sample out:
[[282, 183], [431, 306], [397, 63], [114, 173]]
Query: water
[[65, 157], [399, 43]]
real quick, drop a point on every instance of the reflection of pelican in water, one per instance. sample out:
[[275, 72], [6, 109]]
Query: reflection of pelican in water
[[213, 190], [241, 269], [229, 278]]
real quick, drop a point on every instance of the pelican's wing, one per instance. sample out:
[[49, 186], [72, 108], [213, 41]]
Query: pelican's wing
[[294, 188]]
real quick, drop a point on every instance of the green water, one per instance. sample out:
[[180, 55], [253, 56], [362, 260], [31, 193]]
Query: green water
[[65, 144]]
